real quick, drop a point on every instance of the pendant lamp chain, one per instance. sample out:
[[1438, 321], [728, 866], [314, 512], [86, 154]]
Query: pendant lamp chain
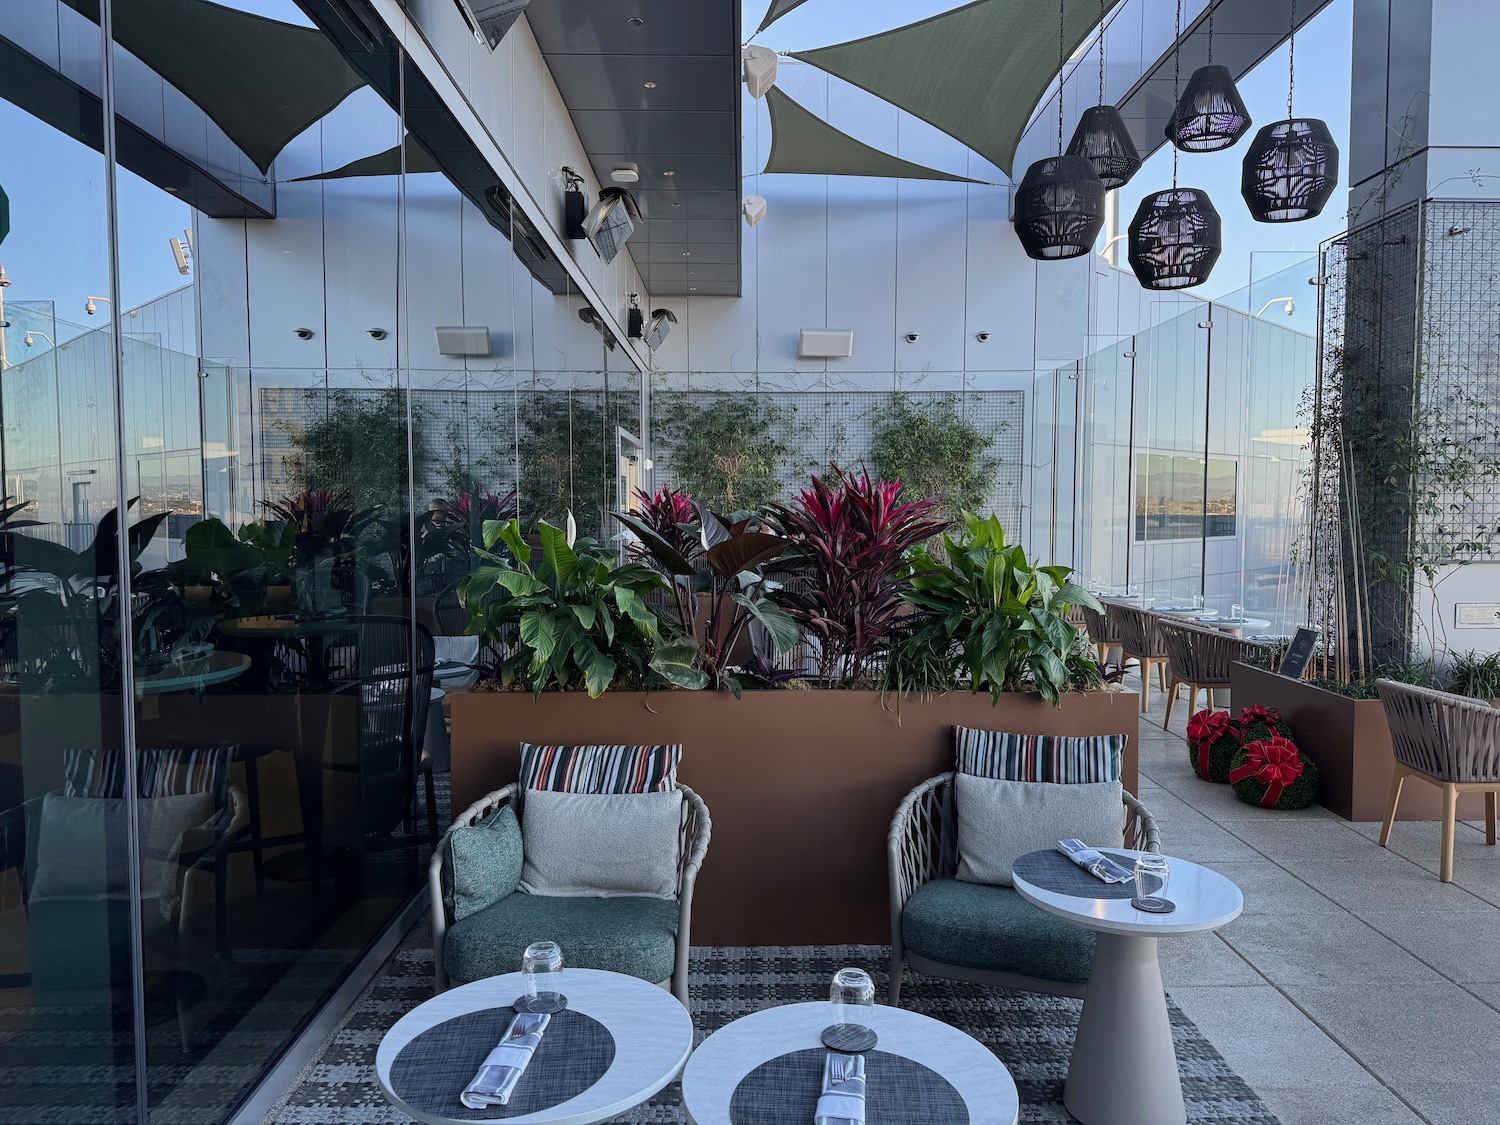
[[1062, 57], [1102, 13], [1291, 60], [1177, 81]]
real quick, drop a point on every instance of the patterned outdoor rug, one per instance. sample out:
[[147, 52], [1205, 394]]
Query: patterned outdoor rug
[[1032, 1035]]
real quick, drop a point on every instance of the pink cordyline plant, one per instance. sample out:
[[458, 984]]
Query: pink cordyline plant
[[670, 513], [844, 577]]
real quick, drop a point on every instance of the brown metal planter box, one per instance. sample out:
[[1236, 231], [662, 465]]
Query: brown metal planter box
[[1350, 742], [801, 785]]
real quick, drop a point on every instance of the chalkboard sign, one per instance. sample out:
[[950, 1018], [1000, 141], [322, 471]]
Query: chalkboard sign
[[1294, 663]]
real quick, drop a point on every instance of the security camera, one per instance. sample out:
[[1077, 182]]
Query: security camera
[[912, 337], [377, 333], [303, 333], [982, 337]]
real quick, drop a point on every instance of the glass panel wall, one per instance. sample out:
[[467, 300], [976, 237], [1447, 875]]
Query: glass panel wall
[[1192, 457], [253, 708], [74, 877]]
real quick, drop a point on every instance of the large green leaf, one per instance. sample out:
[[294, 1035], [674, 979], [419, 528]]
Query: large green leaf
[[781, 628], [558, 555], [676, 661], [598, 673], [539, 633], [744, 552]]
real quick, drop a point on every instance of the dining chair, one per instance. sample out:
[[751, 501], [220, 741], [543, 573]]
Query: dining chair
[[1102, 632], [1445, 740], [1197, 658], [1140, 641]]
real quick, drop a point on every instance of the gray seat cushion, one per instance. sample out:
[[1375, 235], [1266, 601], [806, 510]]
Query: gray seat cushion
[[635, 936], [982, 927]]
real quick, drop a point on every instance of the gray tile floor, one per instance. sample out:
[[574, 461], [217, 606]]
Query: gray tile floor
[[1355, 987]]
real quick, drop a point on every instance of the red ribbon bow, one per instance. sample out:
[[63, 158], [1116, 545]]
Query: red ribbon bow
[[1269, 715], [1204, 729], [1274, 762]]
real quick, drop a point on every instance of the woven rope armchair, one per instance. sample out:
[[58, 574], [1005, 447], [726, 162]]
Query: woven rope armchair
[[1101, 631], [692, 846], [1141, 642], [923, 846], [1449, 741], [1198, 659]]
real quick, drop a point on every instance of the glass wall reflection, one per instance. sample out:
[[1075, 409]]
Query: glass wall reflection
[[1192, 457]]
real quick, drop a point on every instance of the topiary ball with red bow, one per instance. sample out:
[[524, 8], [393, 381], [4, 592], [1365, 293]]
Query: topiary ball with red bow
[[1213, 741], [1273, 774], [1257, 724]]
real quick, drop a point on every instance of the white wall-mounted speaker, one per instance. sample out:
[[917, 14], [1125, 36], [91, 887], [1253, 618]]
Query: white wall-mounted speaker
[[826, 343], [463, 339], [760, 70], [755, 209]]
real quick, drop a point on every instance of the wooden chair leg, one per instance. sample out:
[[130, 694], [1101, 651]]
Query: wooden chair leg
[[1161, 674], [1397, 778], [1489, 816], [1450, 815], [1172, 698], [1145, 666]]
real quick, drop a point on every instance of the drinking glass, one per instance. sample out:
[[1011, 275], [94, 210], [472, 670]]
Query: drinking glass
[[1151, 875], [540, 964], [1197, 601], [853, 995], [1236, 612]]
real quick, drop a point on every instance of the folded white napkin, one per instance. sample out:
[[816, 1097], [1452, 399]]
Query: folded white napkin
[[843, 1100], [1096, 863], [503, 1067]]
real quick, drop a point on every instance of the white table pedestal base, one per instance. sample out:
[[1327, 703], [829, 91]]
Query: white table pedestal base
[[1124, 1068]]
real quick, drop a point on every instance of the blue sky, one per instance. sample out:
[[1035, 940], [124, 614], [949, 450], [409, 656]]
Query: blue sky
[[1251, 250]]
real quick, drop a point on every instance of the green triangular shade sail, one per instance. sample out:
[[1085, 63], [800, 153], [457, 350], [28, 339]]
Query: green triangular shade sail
[[976, 72], [387, 163], [802, 143], [260, 80], [778, 9]]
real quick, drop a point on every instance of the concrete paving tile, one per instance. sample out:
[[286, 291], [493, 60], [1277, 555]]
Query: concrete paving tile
[[1407, 1033], [1195, 960], [1330, 838], [1450, 1103], [1489, 993], [1322, 952], [1267, 1041], [1380, 882], [1462, 945], [1370, 1104], [1273, 891]]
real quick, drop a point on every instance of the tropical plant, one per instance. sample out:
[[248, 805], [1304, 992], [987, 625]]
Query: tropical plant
[[732, 452], [325, 523], [573, 620], [990, 615], [1475, 674], [844, 575], [935, 452], [727, 564]]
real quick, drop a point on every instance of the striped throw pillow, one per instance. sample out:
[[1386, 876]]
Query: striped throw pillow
[[1040, 757], [600, 769], [159, 772]]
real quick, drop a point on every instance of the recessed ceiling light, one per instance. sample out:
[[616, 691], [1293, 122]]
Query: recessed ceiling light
[[650, 85], [692, 289], [687, 253], [635, 21], [669, 173]]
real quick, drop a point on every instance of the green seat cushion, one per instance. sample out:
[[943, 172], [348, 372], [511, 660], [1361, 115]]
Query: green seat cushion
[[631, 935], [983, 927], [483, 863]]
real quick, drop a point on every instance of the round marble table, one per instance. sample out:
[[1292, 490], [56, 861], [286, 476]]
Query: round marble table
[[653, 1036], [729, 1054], [1124, 1068], [1235, 625]]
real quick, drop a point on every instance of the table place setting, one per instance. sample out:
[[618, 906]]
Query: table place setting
[[503, 1067], [843, 1098]]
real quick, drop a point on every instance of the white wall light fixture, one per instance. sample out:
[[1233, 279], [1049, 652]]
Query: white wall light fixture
[[755, 209], [760, 70], [826, 343], [463, 339]]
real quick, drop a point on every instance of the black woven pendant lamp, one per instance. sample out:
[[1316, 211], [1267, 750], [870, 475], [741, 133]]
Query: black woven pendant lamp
[[1101, 137], [1292, 167], [1060, 201], [1176, 235], [1210, 113]]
